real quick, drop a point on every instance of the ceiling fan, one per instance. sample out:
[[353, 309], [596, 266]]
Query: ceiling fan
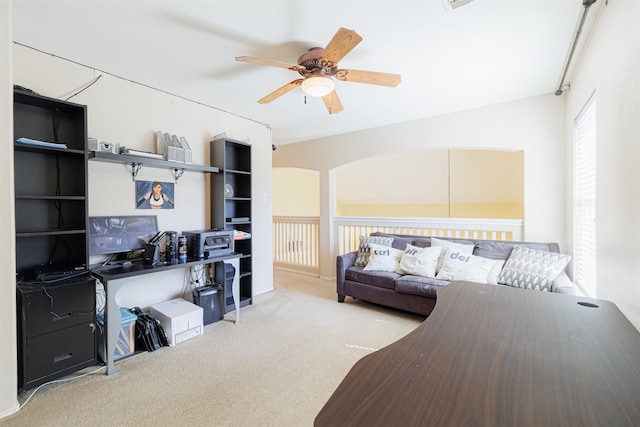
[[318, 66]]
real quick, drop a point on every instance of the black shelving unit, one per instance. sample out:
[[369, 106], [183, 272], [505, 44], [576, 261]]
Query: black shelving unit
[[50, 183], [51, 219], [231, 206]]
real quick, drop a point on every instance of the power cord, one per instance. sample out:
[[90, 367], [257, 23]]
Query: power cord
[[194, 277], [26, 279], [25, 89], [88, 85], [58, 381], [185, 282], [64, 315], [197, 276]]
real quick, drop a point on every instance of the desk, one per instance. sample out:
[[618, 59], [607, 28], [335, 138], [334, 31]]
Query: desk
[[109, 277], [498, 356]]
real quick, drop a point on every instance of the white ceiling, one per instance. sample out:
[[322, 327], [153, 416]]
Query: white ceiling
[[486, 52]]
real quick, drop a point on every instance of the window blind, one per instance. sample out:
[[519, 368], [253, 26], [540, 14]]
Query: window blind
[[584, 245]]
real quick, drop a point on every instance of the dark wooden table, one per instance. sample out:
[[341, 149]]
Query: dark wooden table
[[499, 356]]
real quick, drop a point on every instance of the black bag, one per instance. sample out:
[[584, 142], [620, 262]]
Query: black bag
[[150, 334]]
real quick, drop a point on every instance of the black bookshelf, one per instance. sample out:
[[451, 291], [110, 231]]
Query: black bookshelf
[[51, 219], [231, 206]]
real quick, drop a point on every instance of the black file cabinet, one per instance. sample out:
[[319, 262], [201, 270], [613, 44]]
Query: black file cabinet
[[56, 330]]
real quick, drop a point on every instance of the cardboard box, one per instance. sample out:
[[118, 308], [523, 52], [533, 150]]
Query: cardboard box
[[180, 319]]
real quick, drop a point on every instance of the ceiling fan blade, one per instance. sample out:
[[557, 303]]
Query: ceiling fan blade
[[368, 77], [280, 91], [270, 63], [342, 42], [332, 102]]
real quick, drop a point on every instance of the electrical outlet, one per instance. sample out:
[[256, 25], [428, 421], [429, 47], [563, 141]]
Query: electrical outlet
[[105, 77]]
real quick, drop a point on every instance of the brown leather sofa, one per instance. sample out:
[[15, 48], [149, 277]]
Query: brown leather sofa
[[417, 294]]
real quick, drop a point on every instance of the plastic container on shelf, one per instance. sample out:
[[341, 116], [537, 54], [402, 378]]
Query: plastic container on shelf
[[125, 346]]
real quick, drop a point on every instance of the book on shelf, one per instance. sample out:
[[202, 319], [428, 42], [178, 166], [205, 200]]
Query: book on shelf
[[38, 143], [238, 219], [241, 235], [132, 152]]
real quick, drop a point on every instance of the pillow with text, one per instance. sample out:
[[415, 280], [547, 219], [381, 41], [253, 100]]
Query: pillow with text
[[458, 265], [464, 248], [362, 258], [383, 258], [420, 261]]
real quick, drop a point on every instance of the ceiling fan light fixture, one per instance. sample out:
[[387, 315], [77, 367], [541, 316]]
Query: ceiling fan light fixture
[[318, 86]]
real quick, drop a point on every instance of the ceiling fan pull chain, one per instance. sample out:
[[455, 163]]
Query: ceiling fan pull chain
[[305, 100]]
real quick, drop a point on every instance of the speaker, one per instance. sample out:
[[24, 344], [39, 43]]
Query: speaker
[[211, 299], [171, 246]]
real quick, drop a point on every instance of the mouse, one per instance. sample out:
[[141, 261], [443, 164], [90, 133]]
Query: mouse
[[126, 263]]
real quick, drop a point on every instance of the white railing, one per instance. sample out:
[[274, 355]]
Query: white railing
[[296, 239], [347, 230], [295, 242]]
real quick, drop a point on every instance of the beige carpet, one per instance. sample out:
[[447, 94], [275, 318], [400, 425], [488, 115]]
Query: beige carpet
[[277, 367]]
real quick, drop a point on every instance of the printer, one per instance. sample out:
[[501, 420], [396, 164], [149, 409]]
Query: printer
[[209, 243]]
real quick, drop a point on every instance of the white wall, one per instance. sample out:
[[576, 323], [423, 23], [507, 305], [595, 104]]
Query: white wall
[[534, 125], [129, 113], [8, 358], [611, 69], [296, 192]]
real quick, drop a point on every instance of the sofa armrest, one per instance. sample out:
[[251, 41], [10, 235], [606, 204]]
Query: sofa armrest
[[343, 262], [563, 285]]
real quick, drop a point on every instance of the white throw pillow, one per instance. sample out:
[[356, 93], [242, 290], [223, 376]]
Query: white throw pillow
[[532, 268], [462, 266], [464, 248], [383, 258], [419, 261]]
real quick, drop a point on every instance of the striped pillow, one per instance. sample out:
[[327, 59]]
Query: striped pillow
[[532, 268]]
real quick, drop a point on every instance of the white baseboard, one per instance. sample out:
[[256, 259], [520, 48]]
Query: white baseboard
[[14, 409]]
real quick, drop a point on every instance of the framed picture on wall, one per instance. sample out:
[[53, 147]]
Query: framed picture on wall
[[154, 195]]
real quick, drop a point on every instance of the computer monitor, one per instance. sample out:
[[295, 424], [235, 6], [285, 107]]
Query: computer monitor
[[117, 234]]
